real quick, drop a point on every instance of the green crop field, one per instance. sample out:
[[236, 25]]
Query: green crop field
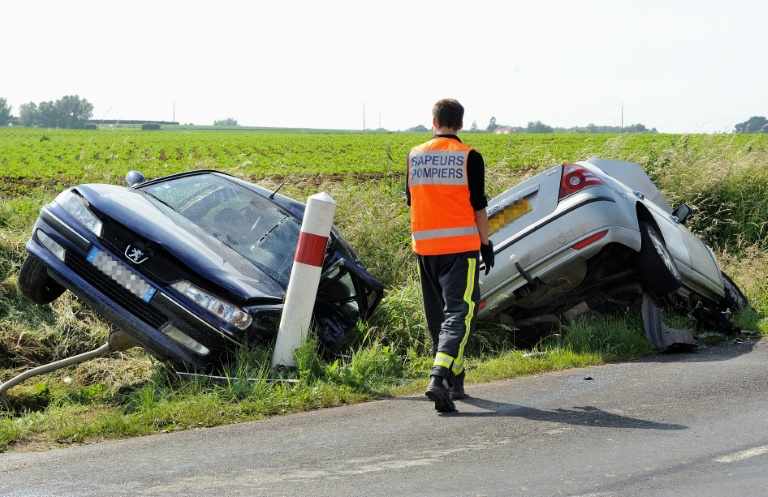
[[64, 155], [723, 177]]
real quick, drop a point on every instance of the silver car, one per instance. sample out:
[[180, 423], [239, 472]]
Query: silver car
[[592, 236]]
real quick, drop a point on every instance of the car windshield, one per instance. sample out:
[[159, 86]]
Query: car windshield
[[238, 217]]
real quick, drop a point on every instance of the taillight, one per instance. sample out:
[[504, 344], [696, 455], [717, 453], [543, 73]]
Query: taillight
[[576, 178]]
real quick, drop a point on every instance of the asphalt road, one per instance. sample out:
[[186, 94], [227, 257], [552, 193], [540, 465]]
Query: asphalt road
[[690, 424]]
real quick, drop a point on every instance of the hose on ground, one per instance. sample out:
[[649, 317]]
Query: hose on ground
[[47, 368]]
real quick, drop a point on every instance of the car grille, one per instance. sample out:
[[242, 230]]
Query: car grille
[[115, 292], [159, 265]]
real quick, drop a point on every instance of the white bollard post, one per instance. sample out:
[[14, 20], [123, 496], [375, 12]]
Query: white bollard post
[[305, 277]]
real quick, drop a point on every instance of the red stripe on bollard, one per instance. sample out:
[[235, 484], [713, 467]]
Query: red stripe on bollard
[[311, 249]]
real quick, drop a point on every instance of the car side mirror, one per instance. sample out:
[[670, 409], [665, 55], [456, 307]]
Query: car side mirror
[[134, 178], [682, 213]]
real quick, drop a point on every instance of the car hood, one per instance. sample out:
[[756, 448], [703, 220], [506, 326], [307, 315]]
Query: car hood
[[211, 259]]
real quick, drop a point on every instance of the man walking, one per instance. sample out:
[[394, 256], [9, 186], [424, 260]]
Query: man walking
[[445, 188]]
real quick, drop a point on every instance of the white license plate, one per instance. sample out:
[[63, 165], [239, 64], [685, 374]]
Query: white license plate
[[121, 274]]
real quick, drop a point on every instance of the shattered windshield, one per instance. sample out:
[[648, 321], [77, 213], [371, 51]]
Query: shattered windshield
[[240, 218]]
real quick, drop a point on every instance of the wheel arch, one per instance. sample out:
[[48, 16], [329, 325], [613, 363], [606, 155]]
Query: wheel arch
[[664, 280], [644, 214]]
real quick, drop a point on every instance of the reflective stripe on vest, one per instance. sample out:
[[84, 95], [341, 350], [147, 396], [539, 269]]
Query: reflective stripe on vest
[[442, 218], [445, 232]]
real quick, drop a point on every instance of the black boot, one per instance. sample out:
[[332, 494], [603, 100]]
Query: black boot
[[457, 389], [438, 392]]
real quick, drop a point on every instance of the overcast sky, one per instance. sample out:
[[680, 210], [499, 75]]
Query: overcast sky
[[679, 66]]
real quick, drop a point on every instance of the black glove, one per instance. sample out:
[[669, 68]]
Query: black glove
[[486, 251]]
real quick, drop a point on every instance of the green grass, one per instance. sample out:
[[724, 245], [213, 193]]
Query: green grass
[[129, 394], [52, 412]]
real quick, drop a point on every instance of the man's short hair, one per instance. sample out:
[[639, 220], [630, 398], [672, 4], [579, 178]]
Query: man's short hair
[[448, 113]]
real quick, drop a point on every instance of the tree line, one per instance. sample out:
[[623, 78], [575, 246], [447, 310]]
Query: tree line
[[70, 112], [540, 127], [755, 124], [5, 112]]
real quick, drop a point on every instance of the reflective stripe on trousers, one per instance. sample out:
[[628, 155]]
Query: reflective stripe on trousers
[[451, 293]]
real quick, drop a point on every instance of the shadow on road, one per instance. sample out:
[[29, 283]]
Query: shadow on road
[[729, 349], [582, 416]]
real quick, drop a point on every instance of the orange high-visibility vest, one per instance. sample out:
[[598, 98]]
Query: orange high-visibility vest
[[442, 218]]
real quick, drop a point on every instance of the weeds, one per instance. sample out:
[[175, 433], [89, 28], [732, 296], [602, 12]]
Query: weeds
[[128, 394], [614, 337]]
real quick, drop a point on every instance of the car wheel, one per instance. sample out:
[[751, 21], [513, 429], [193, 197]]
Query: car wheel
[[35, 283], [655, 264], [734, 300]]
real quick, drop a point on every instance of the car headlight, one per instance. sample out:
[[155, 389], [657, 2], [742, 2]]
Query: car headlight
[[78, 208], [225, 311]]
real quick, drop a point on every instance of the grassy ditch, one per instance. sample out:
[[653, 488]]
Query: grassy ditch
[[129, 394]]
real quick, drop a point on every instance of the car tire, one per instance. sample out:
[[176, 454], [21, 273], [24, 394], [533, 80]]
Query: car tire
[[36, 284], [654, 263], [734, 299]]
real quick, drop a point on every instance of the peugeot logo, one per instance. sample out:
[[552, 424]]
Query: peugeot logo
[[135, 254]]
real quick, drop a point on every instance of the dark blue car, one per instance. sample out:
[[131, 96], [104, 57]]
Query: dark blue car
[[191, 266]]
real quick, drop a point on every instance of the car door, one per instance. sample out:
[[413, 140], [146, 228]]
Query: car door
[[345, 293], [703, 261], [694, 259]]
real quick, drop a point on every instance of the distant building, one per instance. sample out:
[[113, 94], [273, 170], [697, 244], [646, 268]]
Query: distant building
[[504, 131], [118, 122]]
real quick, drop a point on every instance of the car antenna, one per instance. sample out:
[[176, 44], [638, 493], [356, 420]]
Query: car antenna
[[275, 192]]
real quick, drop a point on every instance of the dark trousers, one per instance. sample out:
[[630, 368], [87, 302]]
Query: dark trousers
[[451, 291]]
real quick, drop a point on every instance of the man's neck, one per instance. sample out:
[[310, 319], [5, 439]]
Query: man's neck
[[446, 131]]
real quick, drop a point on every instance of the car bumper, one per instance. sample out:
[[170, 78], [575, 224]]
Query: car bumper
[[546, 250], [141, 320]]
